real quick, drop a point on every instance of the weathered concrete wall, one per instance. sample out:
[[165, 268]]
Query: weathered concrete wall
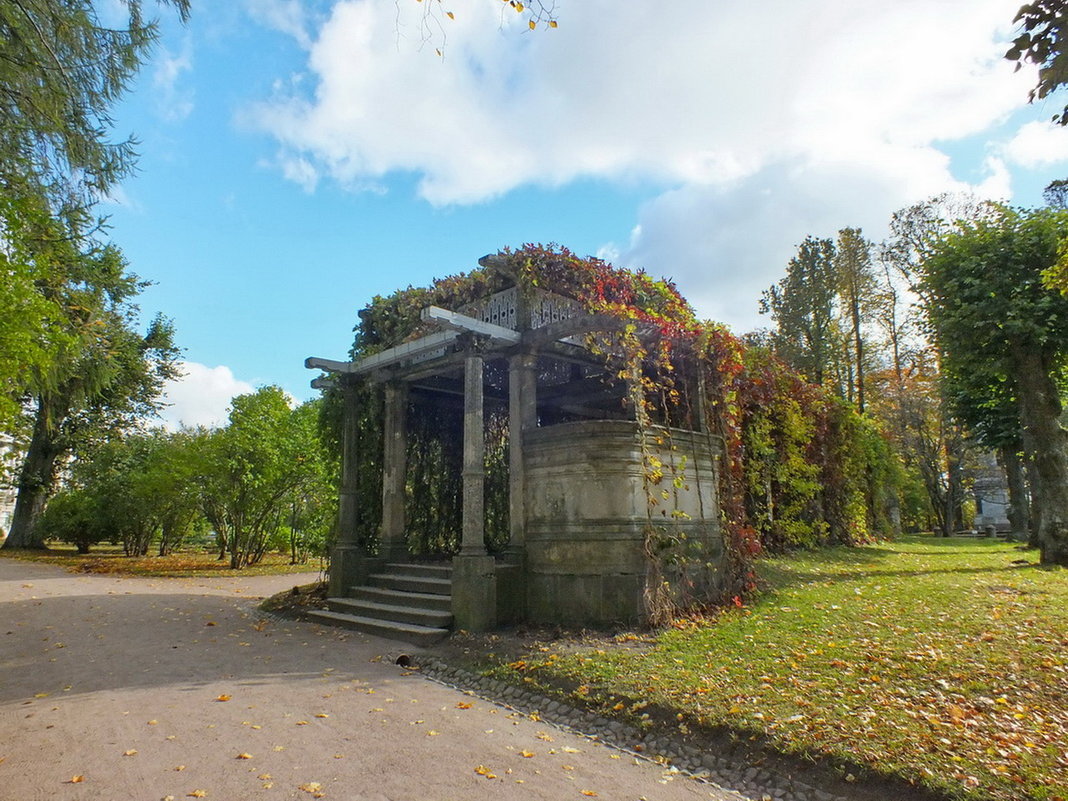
[[587, 517]]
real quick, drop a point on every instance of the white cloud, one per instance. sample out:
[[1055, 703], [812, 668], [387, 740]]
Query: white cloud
[[285, 16], [201, 397], [770, 121], [683, 92], [173, 101], [1038, 144]]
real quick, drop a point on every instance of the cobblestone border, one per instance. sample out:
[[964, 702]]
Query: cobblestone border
[[745, 783]]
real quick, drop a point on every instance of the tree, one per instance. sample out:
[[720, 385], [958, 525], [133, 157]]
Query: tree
[[254, 470], [989, 308], [101, 384], [1042, 28], [61, 71], [802, 305], [856, 287]]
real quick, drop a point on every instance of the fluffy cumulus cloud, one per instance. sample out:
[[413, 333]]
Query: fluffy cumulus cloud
[[201, 396], [769, 120]]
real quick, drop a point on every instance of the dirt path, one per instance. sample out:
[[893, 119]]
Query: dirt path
[[123, 688]]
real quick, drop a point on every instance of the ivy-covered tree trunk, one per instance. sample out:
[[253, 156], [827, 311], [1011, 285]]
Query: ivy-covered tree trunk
[[1040, 411], [37, 478]]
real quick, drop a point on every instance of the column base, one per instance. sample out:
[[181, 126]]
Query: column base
[[350, 565], [474, 593]]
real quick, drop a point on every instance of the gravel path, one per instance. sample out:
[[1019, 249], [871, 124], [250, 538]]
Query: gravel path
[[125, 688]]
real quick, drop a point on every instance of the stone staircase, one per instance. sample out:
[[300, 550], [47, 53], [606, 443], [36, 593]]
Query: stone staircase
[[407, 602]]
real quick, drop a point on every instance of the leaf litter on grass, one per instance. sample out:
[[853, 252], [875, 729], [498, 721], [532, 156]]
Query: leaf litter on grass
[[941, 662]]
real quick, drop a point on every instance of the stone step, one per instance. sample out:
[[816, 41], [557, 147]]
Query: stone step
[[428, 569], [391, 630], [432, 618], [410, 583], [414, 600]]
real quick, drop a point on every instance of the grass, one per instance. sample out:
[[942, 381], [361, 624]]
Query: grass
[[943, 662], [187, 563]]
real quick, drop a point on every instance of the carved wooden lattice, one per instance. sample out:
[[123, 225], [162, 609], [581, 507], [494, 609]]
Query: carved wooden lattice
[[502, 309]]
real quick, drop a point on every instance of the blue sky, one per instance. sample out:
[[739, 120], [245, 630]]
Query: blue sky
[[299, 158]]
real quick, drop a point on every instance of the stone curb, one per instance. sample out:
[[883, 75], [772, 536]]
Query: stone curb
[[744, 783]]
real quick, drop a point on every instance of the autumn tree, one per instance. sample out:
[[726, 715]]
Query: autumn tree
[[857, 293], [802, 304], [989, 306]]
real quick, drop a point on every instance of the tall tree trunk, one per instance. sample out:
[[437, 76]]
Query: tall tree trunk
[[37, 478], [1019, 507], [1040, 411]]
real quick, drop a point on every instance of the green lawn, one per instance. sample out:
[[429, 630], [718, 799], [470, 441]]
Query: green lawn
[[943, 661], [186, 563]]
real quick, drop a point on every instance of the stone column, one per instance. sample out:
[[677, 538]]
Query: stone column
[[522, 417], [474, 574], [474, 475], [347, 555], [391, 545]]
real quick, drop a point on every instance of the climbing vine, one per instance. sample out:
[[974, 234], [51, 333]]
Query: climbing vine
[[798, 468]]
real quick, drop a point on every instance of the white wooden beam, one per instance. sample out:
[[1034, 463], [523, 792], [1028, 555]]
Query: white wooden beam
[[461, 322]]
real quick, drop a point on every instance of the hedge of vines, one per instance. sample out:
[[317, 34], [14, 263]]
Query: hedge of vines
[[801, 467]]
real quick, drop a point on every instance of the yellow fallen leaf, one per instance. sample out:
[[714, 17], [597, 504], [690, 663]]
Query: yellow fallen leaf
[[589, 793], [179, 767], [153, 722], [482, 770], [264, 776], [40, 695], [222, 698], [321, 715], [432, 733], [569, 750], [243, 755], [302, 723], [197, 794], [75, 779], [526, 754], [131, 752], [544, 736], [311, 787], [463, 705]]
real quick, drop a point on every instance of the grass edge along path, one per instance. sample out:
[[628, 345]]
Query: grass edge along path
[[943, 662], [186, 563]]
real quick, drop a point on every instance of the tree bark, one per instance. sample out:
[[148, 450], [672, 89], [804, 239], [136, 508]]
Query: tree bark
[[1040, 410], [1019, 506], [37, 478]]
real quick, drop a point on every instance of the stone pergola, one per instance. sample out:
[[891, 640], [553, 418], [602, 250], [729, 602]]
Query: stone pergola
[[576, 495]]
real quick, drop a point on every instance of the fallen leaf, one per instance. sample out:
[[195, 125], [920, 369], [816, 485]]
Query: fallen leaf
[[302, 723], [153, 722], [75, 779], [243, 756], [311, 787], [264, 776], [321, 715], [197, 794], [482, 770], [526, 754], [589, 793], [222, 698], [131, 752], [463, 705]]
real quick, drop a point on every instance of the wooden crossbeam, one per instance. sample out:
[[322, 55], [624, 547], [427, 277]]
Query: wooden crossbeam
[[461, 322]]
